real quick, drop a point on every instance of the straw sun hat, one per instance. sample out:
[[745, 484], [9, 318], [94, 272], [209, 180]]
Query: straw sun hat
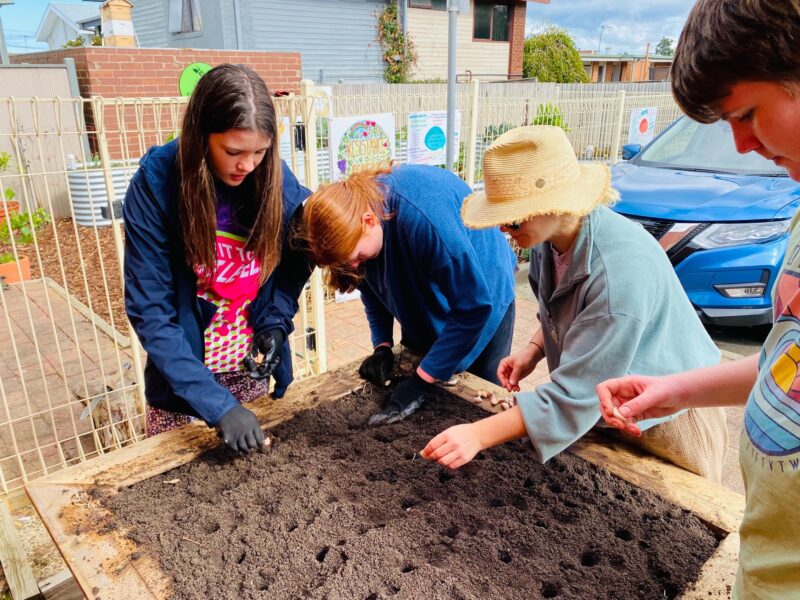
[[530, 171]]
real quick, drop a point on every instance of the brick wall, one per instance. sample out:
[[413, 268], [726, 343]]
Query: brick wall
[[148, 73], [144, 72], [516, 38]]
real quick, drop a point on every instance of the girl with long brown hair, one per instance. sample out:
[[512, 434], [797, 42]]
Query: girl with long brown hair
[[398, 237], [210, 281]]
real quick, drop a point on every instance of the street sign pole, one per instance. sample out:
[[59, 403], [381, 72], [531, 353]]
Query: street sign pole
[[452, 43]]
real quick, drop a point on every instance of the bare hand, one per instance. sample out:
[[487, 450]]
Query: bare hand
[[454, 447], [516, 367], [626, 400]]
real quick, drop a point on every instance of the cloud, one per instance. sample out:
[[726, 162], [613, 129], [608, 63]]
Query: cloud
[[628, 27]]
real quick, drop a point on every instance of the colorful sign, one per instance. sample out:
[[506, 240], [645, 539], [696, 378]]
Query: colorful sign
[[643, 126], [427, 137], [190, 76], [358, 143]]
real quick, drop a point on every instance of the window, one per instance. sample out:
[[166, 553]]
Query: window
[[184, 16], [432, 4], [490, 21]]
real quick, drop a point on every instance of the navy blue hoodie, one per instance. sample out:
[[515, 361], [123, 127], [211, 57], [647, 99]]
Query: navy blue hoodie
[[161, 292], [448, 286]]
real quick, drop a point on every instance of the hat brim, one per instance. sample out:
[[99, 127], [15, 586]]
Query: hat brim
[[578, 197]]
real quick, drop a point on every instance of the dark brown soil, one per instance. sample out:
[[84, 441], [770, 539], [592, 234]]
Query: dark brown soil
[[91, 275], [337, 510]]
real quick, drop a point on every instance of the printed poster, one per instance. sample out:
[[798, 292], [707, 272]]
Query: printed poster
[[358, 143], [427, 137], [643, 125]]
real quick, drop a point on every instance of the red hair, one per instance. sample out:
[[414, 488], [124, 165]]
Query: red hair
[[332, 221]]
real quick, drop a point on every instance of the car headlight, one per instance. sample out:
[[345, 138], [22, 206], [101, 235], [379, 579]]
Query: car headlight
[[721, 235]]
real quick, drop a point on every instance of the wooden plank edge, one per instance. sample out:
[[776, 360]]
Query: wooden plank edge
[[18, 573], [61, 586], [718, 573]]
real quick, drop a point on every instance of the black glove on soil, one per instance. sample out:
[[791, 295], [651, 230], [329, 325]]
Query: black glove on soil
[[379, 366], [406, 399], [240, 430], [269, 344]]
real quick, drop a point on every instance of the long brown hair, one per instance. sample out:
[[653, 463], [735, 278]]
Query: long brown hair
[[332, 223], [229, 97]]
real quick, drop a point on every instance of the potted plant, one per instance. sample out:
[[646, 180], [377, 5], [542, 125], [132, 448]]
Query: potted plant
[[20, 227], [7, 205]]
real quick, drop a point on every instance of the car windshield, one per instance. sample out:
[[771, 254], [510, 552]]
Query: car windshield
[[704, 147]]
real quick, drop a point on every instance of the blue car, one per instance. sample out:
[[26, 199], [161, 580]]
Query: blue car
[[722, 217]]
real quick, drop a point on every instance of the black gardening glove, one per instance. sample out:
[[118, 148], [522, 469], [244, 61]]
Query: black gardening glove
[[379, 366], [406, 399], [268, 344], [240, 430]]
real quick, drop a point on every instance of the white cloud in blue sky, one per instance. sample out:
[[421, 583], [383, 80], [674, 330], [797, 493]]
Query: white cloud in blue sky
[[629, 24]]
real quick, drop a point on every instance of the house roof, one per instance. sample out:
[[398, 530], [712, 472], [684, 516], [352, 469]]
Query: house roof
[[71, 14], [595, 57]]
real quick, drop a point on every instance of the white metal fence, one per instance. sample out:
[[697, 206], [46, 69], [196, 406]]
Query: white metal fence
[[70, 367]]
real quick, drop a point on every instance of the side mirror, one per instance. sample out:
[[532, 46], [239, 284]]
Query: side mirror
[[630, 150]]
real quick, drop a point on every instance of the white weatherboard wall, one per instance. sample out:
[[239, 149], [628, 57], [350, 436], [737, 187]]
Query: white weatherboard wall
[[336, 38], [428, 30]]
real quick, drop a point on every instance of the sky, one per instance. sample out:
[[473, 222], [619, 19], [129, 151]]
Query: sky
[[628, 24]]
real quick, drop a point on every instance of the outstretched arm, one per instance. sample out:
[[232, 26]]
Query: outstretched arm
[[636, 397]]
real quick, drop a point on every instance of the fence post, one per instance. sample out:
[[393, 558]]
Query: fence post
[[470, 151], [613, 157], [309, 112], [98, 114]]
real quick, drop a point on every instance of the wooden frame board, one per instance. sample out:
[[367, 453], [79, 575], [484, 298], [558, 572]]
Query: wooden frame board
[[106, 564]]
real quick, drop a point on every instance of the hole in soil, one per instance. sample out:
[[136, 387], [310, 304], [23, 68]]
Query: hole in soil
[[372, 596], [518, 502], [322, 554], [496, 502], [528, 483], [555, 488], [241, 558], [292, 527], [408, 503], [444, 477], [624, 534], [590, 558], [408, 569], [643, 545], [409, 455], [570, 504], [213, 528], [452, 532], [550, 590], [505, 556], [393, 589], [341, 542], [542, 523], [381, 437]]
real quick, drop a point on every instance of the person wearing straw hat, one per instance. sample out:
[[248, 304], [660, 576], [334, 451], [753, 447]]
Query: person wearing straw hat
[[609, 304], [397, 236]]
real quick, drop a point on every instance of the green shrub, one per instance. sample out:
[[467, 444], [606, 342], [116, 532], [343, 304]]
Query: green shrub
[[22, 225], [549, 114]]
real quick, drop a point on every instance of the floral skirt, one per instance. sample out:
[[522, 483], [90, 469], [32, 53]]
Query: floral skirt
[[243, 387]]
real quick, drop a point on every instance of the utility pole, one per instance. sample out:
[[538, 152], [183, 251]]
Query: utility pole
[[452, 44], [3, 49], [600, 40]]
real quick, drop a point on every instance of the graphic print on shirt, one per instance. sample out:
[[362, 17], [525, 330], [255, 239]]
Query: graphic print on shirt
[[772, 416], [229, 336]]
